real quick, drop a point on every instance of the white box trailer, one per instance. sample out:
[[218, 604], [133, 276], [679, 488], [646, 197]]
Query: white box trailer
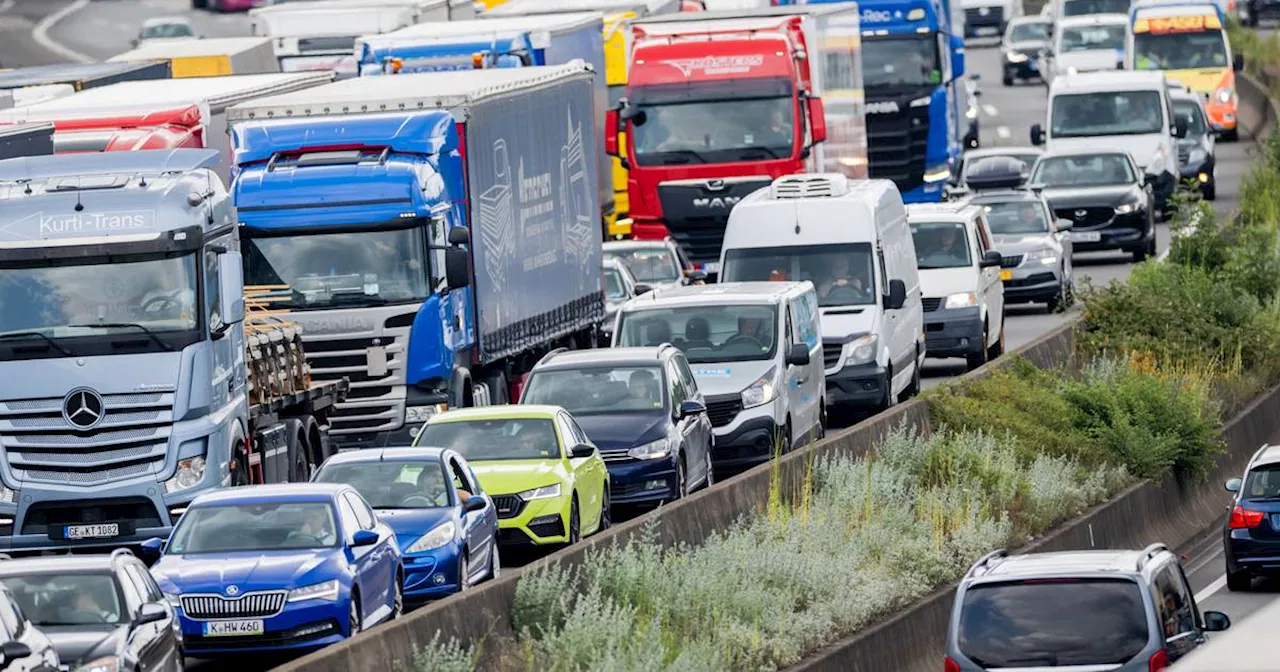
[[321, 35], [30, 95], [212, 94], [210, 57]]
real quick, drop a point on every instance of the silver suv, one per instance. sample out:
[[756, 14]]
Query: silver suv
[[1128, 611]]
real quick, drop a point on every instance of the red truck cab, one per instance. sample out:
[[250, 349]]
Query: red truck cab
[[161, 129], [715, 109]]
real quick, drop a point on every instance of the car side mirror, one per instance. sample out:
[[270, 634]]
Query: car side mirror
[[150, 613], [1066, 225], [13, 650], [153, 547], [897, 295], [990, 259], [1237, 63], [1180, 127], [798, 354], [457, 268], [582, 450], [364, 538], [1037, 135], [690, 407], [1232, 485], [642, 288], [1216, 621], [475, 503]]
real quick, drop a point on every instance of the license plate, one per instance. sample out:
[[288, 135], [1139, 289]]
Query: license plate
[[1086, 236], [712, 267], [103, 531], [988, 30], [233, 628], [376, 361], [1006, 275]]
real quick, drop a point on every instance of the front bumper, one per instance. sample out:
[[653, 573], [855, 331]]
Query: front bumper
[[1124, 232], [953, 332], [431, 574], [1203, 173], [1028, 69], [540, 522], [859, 386], [1031, 282], [302, 626], [749, 443], [1222, 116], [641, 481]]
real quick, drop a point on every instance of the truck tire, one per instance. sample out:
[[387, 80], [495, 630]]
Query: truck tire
[[303, 464], [499, 391], [299, 464], [239, 462]]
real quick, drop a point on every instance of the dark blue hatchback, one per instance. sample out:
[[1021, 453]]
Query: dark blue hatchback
[[1251, 537]]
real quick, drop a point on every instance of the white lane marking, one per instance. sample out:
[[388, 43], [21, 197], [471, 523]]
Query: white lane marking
[[41, 33], [1210, 589], [990, 110], [1002, 132]]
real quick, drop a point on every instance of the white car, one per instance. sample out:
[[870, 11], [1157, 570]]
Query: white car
[[165, 29]]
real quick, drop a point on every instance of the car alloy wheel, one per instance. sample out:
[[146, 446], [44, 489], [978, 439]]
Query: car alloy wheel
[[355, 624], [606, 514], [397, 600], [575, 533], [464, 572], [711, 469], [495, 561]]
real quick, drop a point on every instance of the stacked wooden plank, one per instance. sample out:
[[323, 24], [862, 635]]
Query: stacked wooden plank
[[273, 346]]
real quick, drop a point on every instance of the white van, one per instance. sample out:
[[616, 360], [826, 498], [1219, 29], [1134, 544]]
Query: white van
[[850, 238], [1123, 109], [960, 281], [1090, 43], [756, 352]]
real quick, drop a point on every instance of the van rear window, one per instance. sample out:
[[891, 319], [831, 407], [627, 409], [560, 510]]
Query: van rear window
[[1053, 623]]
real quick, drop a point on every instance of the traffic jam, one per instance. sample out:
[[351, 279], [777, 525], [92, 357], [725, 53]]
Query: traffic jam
[[441, 284]]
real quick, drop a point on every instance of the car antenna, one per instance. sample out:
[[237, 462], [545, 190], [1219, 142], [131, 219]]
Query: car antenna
[[79, 203]]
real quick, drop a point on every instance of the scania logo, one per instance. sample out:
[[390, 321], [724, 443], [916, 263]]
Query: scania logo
[[1081, 214], [233, 590], [883, 107], [719, 202], [83, 408]]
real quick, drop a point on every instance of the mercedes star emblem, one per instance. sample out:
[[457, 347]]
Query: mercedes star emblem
[[83, 408], [233, 590]]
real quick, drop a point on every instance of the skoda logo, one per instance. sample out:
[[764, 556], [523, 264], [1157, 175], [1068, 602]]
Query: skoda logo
[[233, 590], [1081, 214], [83, 408]]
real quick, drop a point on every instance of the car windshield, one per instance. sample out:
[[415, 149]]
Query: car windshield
[[705, 333], [1027, 158], [1083, 7], [347, 270], [649, 264], [1026, 32], [715, 131], [68, 598], [1263, 482], [614, 290], [599, 390], [1083, 171], [1016, 218], [156, 292], [941, 245], [1084, 38], [1053, 623], [162, 30], [497, 439], [900, 62], [1180, 51], [1191, 111], [259, 526], [1106, 113], [843, 273], [387, 484]]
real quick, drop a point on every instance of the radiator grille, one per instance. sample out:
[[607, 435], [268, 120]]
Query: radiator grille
[[249, 605]]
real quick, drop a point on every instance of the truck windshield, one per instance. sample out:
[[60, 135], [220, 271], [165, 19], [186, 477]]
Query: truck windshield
[[1083, 7], [157, 292], [328, 270], [1084, 38], [705, 333], [900, 62], [753, 121], [1106, 113], [843, 273], [1179, 51]]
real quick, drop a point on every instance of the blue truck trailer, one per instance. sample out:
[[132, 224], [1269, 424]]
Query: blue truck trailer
[[131, 379], [436, 232], [913, 68]]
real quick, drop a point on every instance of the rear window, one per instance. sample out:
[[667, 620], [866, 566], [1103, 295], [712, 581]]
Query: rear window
[[1032, 624], [1263, 483]]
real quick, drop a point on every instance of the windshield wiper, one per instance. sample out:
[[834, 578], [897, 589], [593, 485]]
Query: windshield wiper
[[759, 148], [688, 153], [27, 334], [125, 325]]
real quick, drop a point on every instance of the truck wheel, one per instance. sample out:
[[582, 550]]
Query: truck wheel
[[299, 463], [499, 392]]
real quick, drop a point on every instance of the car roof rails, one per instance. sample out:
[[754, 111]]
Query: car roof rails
[[987, 561], [551, 354], [996, 172], [1150, 551]]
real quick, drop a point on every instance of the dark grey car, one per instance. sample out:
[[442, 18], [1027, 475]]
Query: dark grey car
[[1095, 611]]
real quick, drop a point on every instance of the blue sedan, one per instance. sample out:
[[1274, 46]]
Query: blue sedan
[[447, 526], [278, 567]]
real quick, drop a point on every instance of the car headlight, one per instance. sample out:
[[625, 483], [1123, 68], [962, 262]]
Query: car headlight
[[439, 536], [962, 300], [1046, 256], [971, 113], [760, 392], [174, 600], [1197, 156], [1224, 95], [545, 492], [1126, 208], [651, 451], [188, 475], [103, 664], [326, 590], [1015, 57], [861, 350]]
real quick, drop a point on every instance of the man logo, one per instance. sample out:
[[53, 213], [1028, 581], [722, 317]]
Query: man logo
[[233, 590], [883, 107], [719, 202], [83, 408]]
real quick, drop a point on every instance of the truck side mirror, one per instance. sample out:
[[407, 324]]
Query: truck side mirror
[[458, 235], [957, 57], [231, 287], [897, 297], [457, 268], [817, 120], [611, 123], [1037, 135]]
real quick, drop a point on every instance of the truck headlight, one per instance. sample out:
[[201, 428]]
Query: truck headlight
[[7, 495], [545, 492], [650, 451], [438, 536], [760, 392], [418, 414], [103, 664], [1046, 256], [1015, 57], [188, 475], [861, 350], [937, 173], [962, 300], [325, 590]]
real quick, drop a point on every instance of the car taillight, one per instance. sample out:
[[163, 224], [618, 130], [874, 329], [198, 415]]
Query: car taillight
[[950, 665], [1159, 661], [1242, 518]]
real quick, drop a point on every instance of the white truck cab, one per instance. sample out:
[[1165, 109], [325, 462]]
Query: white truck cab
[[850, 238], [963, 295], [1123, 109]]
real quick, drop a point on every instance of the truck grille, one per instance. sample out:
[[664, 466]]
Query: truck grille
[[249, 605], [509, 506], [374, 403], [723, 409], [696, 211], [129, 441], [973, 16], [1184, 154], [1093, 218], [930, 304], [897, 143]]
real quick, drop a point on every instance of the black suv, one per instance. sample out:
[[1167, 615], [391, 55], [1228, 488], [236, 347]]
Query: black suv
[[1127, 611], [101, 612], [642, 408]]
